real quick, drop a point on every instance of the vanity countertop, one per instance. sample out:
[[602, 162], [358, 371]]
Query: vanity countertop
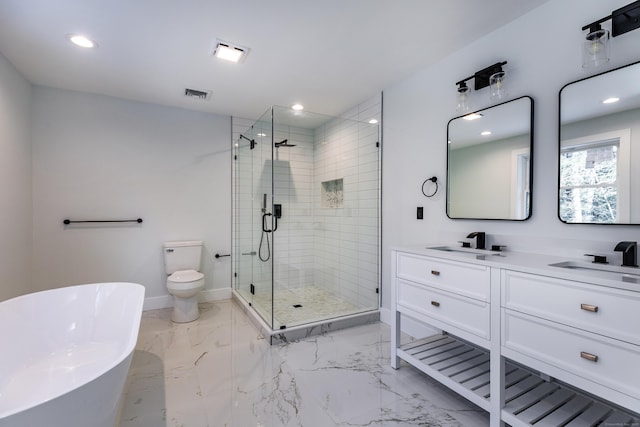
[[609, 275]]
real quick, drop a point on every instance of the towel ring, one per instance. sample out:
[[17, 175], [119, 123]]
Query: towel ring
[[435, 181]]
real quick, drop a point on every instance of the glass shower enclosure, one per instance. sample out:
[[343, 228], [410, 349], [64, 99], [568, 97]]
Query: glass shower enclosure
[[306, 241]]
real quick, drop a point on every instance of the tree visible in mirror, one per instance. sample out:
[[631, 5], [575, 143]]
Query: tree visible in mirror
[[588, 191]]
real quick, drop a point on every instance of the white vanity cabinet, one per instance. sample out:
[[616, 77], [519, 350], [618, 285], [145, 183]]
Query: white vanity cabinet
[[553, 351], [454, 297], [584, 334], [446, 294]]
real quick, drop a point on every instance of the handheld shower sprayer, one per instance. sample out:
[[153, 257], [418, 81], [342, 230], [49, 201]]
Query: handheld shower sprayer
[[265, 230]]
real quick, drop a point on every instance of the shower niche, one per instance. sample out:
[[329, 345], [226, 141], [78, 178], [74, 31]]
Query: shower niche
[[332, 194], [303, 254]]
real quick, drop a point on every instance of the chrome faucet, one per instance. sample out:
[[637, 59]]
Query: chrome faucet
[[629, 253], [480, 238]]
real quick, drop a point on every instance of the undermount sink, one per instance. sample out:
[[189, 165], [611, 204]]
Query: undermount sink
[[468, 251], [625, 274]]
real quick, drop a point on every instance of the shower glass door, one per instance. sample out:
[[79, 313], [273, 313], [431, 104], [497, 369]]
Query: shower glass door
[[253, 198], [307, 217]]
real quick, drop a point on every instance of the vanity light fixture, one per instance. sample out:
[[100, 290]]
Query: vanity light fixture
[[595, 48], [492, 75], [464, 92]]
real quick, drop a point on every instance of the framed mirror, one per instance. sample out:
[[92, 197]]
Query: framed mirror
[[599, 148], [489, 162]]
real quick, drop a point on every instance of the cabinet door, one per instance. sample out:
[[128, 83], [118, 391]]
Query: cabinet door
[[606, 311], [593, 357], [471, 280], [426, 303]]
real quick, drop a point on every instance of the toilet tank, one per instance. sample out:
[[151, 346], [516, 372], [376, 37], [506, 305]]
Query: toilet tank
[[185, 255]]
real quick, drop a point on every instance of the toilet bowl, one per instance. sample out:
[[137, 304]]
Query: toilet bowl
[[185, 285], [184, 281]]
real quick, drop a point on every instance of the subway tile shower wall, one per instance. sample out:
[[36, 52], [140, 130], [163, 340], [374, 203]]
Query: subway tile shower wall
[[333, 248]]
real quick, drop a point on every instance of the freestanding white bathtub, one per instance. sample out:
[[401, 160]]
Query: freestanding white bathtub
[[65, 354]]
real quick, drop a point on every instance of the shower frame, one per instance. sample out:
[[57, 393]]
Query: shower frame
[[259, 156]]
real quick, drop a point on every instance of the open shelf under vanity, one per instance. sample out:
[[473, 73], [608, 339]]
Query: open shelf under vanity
[[530, 399]]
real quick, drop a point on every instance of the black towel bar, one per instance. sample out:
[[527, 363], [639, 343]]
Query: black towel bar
[[68, 221], [220, 256]]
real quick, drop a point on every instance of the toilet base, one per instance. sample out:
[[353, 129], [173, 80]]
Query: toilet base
[[185, 309]]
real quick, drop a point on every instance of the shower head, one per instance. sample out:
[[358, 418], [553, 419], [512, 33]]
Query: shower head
[[283, 143], [252, 142]]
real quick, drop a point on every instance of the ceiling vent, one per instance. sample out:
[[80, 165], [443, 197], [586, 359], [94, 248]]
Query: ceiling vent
[[229, 51], [197, 94]]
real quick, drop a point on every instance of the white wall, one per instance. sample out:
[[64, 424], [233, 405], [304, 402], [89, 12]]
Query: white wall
[[543, 53], [97, 157], [15, 182]]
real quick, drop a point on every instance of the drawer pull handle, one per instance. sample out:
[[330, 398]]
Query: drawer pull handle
[[435, 303], [590, 357], [435, 272], [589, 307]]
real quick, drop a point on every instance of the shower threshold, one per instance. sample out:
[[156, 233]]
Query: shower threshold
[[293, 333]]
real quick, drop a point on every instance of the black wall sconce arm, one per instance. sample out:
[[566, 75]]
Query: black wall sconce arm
[[481, 78], [623, 20]]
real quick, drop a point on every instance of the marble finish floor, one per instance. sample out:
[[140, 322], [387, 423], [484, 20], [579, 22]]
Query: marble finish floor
[[219, 372], [298, 306]]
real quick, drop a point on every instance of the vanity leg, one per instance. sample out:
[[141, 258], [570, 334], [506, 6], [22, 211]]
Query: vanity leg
[[395, 314], [395, 339], [497, 391], [497, 362]]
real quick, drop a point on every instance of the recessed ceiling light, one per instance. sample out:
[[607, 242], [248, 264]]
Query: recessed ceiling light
[[611, 100], [472, 116], [485, 133], [297, 107], [229, 52], [82, 41], [373, 121]]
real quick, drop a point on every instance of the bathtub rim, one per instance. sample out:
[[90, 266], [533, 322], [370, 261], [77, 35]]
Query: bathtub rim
[[137, 289]]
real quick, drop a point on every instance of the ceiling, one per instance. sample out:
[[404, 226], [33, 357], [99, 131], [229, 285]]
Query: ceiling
[[327, 55]]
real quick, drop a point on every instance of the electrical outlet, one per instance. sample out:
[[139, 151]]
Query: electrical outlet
[[420, 213]]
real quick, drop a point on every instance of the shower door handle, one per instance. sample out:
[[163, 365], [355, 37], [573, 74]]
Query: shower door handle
[[249, 253]]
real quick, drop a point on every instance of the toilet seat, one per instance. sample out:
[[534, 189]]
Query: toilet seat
[[185, 276], [185, 280]]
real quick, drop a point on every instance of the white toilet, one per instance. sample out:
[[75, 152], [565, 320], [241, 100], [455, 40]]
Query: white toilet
[[182, 262]]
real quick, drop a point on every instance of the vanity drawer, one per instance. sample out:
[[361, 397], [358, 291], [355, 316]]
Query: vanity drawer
[[471, 280], [596, 358], [602, 310], [464, 313]]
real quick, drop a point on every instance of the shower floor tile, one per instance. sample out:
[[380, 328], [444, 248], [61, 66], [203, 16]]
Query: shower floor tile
[[303, 305]]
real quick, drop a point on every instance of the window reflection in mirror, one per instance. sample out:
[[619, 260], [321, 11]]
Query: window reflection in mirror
[[599, 117], [489, 162]]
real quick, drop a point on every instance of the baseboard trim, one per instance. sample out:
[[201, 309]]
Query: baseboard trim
[[166, 301]]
